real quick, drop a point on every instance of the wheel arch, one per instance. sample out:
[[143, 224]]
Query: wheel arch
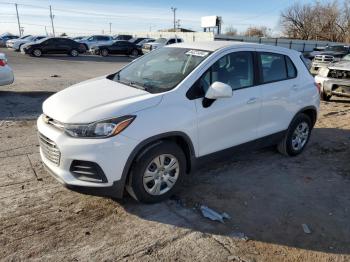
[[180, 138], [310, 111]]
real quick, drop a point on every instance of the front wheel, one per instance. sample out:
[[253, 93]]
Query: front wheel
[[297, 136], [325, 97], [104, 52], [37, 52], [157, 172]]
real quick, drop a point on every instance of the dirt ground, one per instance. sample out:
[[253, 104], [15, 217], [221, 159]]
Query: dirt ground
[[267, 195]]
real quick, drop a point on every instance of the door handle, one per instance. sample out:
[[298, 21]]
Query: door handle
[[252, 100]]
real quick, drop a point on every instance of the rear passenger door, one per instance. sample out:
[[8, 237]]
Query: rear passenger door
[[277, 78]]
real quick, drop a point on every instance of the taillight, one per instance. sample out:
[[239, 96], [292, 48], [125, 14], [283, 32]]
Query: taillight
[[2, 62], [318, 86]]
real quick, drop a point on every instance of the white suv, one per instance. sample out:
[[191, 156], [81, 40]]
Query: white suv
[[160, 42], [144, 127]]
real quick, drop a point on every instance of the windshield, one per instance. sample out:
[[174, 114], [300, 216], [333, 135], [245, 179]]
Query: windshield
[[162, 69], [24, 37], [336, 48], [42, 40], [161, 40]]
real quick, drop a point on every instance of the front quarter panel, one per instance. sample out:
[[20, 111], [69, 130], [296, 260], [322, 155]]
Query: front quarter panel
[[175, 113]]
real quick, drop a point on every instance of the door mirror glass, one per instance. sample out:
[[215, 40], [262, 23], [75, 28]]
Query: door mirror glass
[[218, 90]]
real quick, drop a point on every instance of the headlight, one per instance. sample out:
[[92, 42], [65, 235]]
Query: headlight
[[101, 129]]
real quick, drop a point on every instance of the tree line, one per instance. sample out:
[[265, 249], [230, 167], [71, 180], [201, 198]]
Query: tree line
[[327, 21]]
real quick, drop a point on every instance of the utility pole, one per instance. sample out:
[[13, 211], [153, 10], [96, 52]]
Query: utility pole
[[174, 11], [46, 31], [51, 17], [19, 24], [110, 28]]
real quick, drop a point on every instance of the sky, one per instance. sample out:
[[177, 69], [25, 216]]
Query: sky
[[84, 17]]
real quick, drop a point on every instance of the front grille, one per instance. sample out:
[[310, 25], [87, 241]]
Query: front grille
[[339, 74], [324, 58], [87, 171], [49, 149]]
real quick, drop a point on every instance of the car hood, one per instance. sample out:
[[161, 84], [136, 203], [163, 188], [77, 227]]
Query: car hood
[[97, 99], [342, 65], [155, 44], [332, 53], [22, 41]]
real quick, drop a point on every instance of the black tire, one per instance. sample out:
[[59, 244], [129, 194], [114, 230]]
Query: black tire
[[104, 52], [325, 97], [37, 53], [144, 161], [134, 53], [286, 147], [74, 52]]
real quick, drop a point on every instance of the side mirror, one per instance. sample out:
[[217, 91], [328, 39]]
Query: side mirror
[[218, 90]]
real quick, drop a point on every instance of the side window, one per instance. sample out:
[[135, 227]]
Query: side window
[[273, 67], [291, 70], [171, 41], [235, 69], [179, 40]]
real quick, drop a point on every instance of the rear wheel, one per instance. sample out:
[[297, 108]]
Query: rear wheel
[[297, 136], [104, 52], [37, 52], [134, 53], [157, 172], [74, 52]]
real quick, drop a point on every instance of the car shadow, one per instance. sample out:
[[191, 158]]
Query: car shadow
[[90, 58], [269, 196], [22, 105]]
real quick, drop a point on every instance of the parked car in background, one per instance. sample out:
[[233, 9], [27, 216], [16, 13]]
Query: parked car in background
[[5, 38], [6, 73], [54, 45], [160, 42], [122, 37], [96, 40], [334, 80], [78, 38], [10, 43], [31, 39], [148, 124], [119, 47], [140, 42], [330, 54]]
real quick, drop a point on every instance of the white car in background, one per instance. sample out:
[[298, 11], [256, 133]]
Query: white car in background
[[160, 116], [96, 40], [160, 42], [16, 45], [6, 73], [10, 43]]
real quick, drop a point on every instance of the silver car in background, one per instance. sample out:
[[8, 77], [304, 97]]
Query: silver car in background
[[6, 73]]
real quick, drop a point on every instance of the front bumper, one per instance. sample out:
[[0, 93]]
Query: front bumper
[[337, 87], [111, 154]]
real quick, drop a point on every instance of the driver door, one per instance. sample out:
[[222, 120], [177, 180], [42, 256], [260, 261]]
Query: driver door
[[227, 122]]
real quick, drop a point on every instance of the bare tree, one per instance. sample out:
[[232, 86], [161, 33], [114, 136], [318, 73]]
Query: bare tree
[[257, 31], [319, 21], [231, 31]]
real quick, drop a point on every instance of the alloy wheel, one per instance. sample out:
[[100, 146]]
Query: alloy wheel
[[300, 136], [161, 174]]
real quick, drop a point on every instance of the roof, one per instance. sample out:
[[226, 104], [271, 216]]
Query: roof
[[216, 45]]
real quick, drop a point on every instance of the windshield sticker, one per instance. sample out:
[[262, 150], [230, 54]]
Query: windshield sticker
[[197, 53]]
